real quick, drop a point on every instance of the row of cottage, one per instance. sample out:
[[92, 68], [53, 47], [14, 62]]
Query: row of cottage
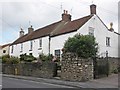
[[50, 39]]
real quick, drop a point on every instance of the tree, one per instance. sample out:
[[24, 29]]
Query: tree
[[83, 45]]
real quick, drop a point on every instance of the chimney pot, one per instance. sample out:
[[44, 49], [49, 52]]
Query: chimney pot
[[21, 33], [111, 27]]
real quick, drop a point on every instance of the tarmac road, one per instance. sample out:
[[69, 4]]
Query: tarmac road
[[21, 83]]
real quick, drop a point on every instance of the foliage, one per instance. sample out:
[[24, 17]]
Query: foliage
[[14, 60], [118, 68], [44, 57], [10, 60], [5, 59], [85, 46], [27, 58]]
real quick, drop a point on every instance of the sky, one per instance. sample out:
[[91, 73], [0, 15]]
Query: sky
[[15, 14]]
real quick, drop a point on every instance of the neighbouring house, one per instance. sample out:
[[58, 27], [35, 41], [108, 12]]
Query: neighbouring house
[[50, 39], [4, 49]]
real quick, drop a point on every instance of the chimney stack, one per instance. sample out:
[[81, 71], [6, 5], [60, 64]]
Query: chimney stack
[[21, 33], [65, 16], [30, 29], [92, 9]]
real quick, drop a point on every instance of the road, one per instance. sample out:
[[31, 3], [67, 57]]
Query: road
[[21, 83]]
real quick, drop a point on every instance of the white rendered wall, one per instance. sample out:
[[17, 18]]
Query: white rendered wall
[[26, 48]]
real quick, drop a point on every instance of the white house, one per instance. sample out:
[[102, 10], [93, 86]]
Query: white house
[[50, 39]]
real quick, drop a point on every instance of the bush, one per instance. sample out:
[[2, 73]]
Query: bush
[[27, 58], [83, 45], [119, 69], [115, 71], [44, 57], [6, 59], [14, 60]]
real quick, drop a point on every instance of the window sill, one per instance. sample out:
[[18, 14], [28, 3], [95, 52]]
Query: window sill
[[40, 48], [21, 51]]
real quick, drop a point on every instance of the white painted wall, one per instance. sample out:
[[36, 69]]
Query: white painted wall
[[26, 47]]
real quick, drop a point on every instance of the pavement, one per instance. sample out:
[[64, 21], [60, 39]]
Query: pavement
[[106, 82]]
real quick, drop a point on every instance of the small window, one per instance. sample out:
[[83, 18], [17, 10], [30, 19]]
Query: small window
[[31, 45], [12, 49], [57, 53], [91, 31], [107, 41], [21, 47], [30, 54], [40, 42], [4, 51]]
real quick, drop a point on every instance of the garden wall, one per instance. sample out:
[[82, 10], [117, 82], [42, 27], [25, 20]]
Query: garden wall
[[74, 68], [45, 69]]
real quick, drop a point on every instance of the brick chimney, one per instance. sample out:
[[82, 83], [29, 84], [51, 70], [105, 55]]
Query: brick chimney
[[30, 29], [93, 9], [65, 16], [21, 33]]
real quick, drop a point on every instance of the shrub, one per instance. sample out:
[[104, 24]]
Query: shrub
[[119, 69], [115, 71], [6, 59], [27, 58], [83, 45], [14, 60], [44, 57]]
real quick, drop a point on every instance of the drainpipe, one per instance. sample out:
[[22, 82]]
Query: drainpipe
[[49, 44]]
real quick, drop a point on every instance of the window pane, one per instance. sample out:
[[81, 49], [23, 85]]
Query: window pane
[[91, 31], [40, 42], [57, 53]]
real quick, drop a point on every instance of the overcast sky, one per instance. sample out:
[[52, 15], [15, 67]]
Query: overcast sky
[[17, 13]]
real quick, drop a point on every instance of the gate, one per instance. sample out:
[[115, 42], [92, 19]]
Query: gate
[[101, 67]]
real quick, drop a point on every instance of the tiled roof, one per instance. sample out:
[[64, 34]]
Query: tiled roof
[[58, 28], [5, 45]]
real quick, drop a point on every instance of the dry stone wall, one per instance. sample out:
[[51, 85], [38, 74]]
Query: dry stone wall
[[74, 68]]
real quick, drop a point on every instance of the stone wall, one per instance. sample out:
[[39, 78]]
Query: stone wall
[[74, 68], [45, 69], [113, 64]]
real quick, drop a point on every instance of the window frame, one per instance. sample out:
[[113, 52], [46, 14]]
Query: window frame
[[31, 45], [108, 41], [12, 48], [91, 31], [59, 54], [40, 42], [21, 47]]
